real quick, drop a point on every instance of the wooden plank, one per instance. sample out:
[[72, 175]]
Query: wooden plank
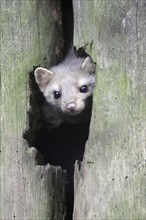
[[111, 181], [29, 37]]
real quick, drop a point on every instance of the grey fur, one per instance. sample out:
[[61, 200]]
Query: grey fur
[[67, 78]]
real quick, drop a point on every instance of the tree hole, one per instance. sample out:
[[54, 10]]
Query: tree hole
[[60, 146]]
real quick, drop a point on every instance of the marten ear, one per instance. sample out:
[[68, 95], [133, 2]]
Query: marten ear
[[88, 65], [43, 76]]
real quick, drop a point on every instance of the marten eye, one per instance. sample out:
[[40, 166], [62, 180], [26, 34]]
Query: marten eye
[[83, 89], [57, 94]]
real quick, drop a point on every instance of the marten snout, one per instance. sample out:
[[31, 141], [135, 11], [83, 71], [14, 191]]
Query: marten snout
[[71, 107]]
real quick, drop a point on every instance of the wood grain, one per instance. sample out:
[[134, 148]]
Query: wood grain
[[111, 181], [29, 37]]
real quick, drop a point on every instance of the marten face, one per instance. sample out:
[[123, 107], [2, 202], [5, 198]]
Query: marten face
[[68, 85]]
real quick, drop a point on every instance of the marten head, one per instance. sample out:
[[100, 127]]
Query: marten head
[[68, 85]]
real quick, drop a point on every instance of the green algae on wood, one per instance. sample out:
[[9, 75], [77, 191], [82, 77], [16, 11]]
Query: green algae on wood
[[114, 186]]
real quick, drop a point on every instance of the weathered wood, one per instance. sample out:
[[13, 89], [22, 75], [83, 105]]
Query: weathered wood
[[111, 182], [29, 36]]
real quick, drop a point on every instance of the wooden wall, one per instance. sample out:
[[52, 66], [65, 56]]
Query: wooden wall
[[111, 182], [29, 37]]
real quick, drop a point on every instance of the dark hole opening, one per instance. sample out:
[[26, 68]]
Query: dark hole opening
[[65, 144], [68, 24]]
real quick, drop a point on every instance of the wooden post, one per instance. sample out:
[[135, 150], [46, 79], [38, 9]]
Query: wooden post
[[111, 181], [29, 36]]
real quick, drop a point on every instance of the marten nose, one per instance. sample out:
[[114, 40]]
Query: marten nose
[[71, 106]]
